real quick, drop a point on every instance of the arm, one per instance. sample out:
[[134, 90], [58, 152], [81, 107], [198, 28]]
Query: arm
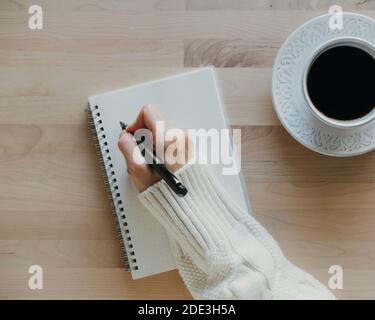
[[221, 251]]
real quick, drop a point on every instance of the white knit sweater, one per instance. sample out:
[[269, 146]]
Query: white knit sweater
[[222, 252]]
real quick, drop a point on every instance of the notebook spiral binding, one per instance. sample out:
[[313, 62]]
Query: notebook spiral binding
[[119, 217]]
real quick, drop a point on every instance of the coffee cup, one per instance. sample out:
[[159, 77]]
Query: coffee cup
[[339, 82]]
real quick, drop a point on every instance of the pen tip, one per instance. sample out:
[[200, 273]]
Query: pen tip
[[123, 125]]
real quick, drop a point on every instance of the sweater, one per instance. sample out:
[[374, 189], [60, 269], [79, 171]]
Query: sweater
[[221, 251]]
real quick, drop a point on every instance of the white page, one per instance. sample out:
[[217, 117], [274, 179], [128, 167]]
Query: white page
[[189, 100]]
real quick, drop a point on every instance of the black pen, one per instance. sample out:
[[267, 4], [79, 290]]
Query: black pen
[[173, 182]]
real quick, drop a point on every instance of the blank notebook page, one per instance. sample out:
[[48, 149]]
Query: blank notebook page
[[189, 100]]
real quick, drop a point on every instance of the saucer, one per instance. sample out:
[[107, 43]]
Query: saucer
[[288, 94]]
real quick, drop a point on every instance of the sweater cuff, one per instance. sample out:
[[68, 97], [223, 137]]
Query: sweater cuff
[[197, 220]]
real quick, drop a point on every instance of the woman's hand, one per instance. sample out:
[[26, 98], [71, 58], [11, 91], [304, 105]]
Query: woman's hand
[[141, 173]]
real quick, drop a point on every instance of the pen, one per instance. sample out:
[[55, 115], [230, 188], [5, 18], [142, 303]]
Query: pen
[[173, 182]]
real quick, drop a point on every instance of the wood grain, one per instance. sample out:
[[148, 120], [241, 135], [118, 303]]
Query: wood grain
[[75, 53], [179, 25], [278, 4], [229, 53], [53, 208], [270, 154], [91, 283], [97, 5], [23, 87]]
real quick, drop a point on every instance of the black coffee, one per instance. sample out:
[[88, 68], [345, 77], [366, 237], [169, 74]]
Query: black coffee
[[341, 83]]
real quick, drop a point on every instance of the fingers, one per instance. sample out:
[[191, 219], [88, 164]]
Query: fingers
[[179, 150], [141, 174], [131, 152], [146, 118]]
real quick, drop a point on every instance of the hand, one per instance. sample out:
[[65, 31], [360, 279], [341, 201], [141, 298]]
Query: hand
[[142, 174]]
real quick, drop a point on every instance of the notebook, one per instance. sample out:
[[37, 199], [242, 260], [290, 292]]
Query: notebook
[[188, 100]]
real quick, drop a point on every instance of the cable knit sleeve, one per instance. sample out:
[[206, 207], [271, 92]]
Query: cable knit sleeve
[[222, 252]]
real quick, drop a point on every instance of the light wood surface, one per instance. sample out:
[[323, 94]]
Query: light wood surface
[[53, 208]]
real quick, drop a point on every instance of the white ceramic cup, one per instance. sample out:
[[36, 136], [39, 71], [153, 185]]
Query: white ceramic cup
[[343, 41]]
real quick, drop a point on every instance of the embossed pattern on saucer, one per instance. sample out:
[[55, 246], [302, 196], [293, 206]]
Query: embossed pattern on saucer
[[287, 89]]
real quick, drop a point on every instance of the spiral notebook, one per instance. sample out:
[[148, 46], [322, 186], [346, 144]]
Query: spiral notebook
[[189, 100]]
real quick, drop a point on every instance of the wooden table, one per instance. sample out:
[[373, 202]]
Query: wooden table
[[53, 208]]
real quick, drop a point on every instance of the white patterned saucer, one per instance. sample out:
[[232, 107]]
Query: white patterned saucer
[[289, 98]]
